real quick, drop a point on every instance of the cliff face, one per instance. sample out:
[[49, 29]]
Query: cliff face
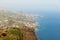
[[28, 34], [24, 33]]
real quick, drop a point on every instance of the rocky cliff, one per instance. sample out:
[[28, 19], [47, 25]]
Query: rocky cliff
[[29, 34], [18, 34]]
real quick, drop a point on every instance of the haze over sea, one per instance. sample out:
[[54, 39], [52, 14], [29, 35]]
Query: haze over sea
[[49, 28]]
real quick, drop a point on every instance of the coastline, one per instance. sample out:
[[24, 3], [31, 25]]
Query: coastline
[[25, 22]]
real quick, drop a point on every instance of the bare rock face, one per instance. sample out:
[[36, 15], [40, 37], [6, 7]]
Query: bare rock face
[[28, 34], [24, 33]]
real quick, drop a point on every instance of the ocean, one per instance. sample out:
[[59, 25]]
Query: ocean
[[49, 28]]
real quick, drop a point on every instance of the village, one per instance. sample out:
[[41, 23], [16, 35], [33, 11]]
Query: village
[[8, 19], [18, 25]]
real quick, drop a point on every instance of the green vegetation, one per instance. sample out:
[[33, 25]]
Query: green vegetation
[[11, 34], [16, 32]]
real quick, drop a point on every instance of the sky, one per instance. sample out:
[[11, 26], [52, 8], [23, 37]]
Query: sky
[[43, 5]]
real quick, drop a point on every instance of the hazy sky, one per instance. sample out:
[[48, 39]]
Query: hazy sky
[[31, 4]]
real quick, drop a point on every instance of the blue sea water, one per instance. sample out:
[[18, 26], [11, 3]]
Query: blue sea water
[[49, 26]]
